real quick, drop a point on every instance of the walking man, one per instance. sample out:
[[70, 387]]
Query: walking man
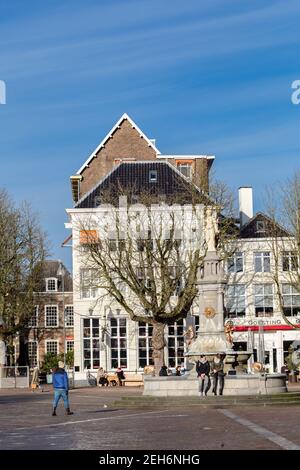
[[218, 374], [203, 368], [61, 388]]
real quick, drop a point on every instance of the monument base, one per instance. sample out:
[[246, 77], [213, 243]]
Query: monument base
[[235, 385]]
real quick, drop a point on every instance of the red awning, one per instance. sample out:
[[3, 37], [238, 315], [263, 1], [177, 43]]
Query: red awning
[[265, 327]]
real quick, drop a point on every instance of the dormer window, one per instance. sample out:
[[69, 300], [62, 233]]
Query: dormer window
[[152, 176], [51, 284], [185, 169], [260, 226]]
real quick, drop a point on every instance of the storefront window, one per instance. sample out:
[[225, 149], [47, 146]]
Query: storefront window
[[91, 343], [175, 344], [118, 342], [145, 344]]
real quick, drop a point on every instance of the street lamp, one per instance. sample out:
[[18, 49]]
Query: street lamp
[[61, 273]]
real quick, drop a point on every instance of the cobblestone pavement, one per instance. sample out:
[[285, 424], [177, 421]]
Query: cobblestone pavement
[[26, 423]]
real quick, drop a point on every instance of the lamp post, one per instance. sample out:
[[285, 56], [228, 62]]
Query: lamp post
[[61, 272]]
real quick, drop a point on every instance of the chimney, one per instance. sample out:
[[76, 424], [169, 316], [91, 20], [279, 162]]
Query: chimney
[[245, 204]]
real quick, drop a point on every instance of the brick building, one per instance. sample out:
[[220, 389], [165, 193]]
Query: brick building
[[50, 328]]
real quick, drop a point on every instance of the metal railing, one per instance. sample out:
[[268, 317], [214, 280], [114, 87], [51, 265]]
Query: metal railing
[[14, 377]]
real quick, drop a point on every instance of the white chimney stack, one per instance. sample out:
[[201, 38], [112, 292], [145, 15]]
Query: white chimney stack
[[245, 205]]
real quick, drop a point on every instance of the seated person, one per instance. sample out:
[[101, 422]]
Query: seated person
[[163, 371]]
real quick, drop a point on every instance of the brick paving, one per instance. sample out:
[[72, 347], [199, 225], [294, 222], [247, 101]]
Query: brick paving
[[26, 423]]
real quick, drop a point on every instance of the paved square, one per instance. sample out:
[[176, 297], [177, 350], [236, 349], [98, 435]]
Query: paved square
[[26, 423]]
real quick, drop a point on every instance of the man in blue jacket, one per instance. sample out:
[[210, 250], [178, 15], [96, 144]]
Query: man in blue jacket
[[61, 388]]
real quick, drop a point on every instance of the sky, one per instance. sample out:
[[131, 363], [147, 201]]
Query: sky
[[203, 77]]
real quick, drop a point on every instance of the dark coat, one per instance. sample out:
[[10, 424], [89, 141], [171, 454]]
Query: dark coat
[[163, 371], [202, 368]]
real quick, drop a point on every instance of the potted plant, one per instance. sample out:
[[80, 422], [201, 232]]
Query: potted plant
[[50, 363]]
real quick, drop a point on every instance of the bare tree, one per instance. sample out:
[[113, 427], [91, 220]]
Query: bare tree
[[148, 257], [283, 209], [22, 252]]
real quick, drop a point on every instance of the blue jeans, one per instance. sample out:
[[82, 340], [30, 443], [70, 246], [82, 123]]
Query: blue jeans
[[58, 394]]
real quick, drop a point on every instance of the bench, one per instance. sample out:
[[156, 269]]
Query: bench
[[133, 380]]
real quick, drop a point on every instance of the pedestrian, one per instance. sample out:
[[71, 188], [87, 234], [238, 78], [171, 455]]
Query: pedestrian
[[203, 369], [285, 370], [163, 371], [178, 371], [101, 377], [218, 374], [35, 379], [61, 388], [120, 375]]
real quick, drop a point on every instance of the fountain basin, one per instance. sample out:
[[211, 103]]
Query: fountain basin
[[235, 385]]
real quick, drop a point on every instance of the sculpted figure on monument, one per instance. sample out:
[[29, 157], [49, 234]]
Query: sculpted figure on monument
[[190, 335], [228, 328]]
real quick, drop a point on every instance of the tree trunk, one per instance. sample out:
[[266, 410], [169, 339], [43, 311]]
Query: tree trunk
[[23, 359], [158, 344]]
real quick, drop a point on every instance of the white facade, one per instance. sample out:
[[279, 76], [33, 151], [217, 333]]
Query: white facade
[[257, 319], [104, 335]]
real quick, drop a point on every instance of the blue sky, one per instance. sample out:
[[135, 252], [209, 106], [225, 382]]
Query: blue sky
[[199, 76]]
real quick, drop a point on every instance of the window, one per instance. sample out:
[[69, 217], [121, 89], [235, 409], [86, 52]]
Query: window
[[235, 301], [176, 279], [32, 353], [51, 284], [69, 315], [135, 198], [289, 261], [291, 300], [52, 347], [69, 345], [51, 316], [262, 261], [145, 344], [235, 263], [260, 226], [118, 342], [287, 348], [263, 300], [175, 344], [88, 237], [143, 277], [185, 169], [88, 283], [33, 321], [197, 322], [91, 343], [152, 176]]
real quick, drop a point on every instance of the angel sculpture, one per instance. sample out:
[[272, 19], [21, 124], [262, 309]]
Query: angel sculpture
[[228, 329], [190, 335]]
